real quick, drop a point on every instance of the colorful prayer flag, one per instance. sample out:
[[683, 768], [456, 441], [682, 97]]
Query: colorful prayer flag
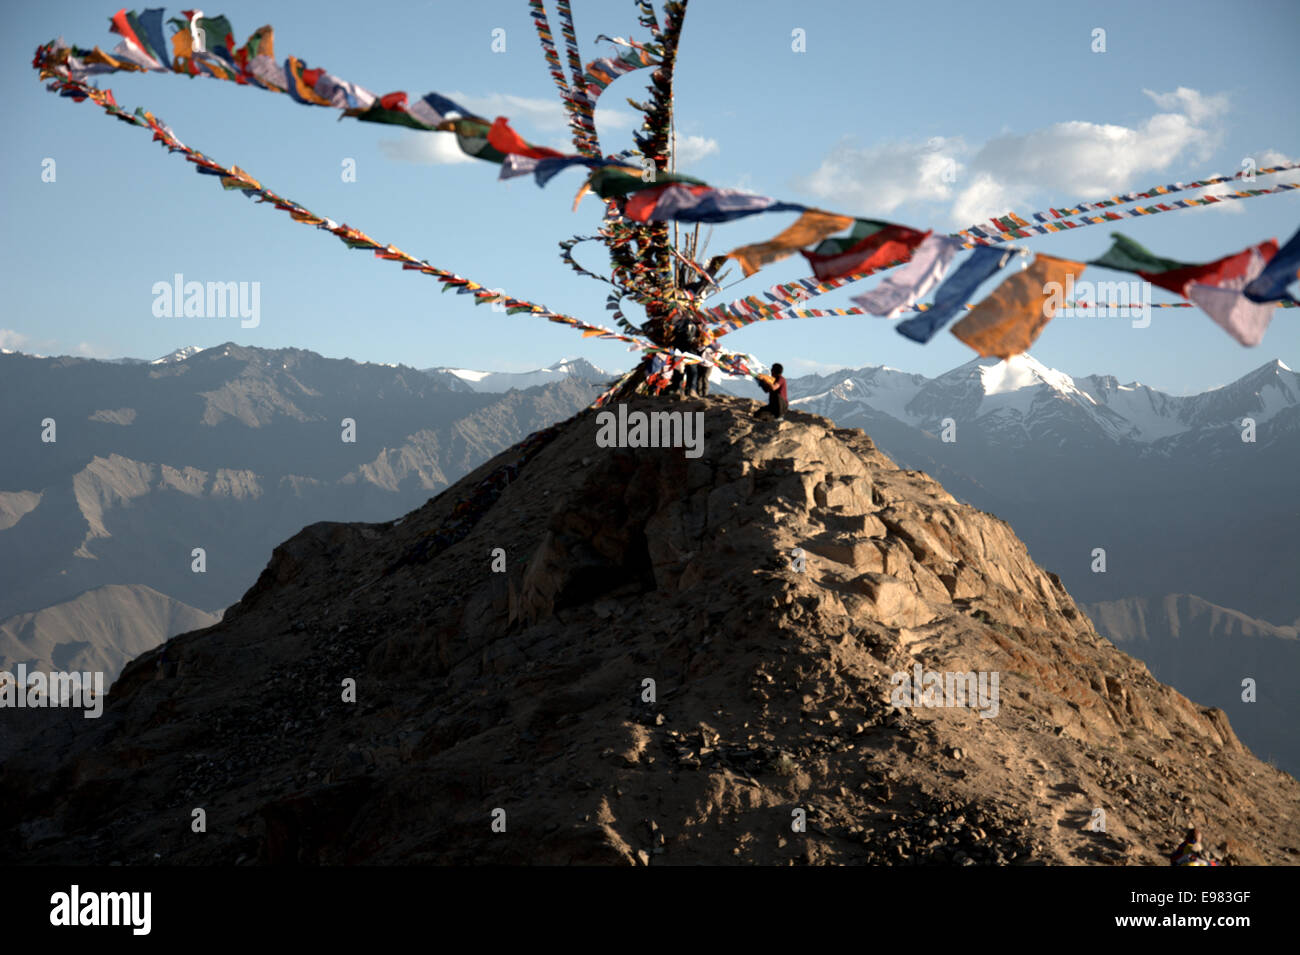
[[1128, 256], [1282, 269], [810, 227], [925, 270], [885, 243], [700, 203], [1239, 316], [506, 141], [953, 294], [1008, 321]]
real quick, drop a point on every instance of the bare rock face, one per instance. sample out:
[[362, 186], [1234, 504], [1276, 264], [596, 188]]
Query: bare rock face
[[787, 650]]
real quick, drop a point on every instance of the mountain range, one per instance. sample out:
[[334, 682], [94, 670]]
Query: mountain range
[[1164, 484], [494, 382], [228, 449]]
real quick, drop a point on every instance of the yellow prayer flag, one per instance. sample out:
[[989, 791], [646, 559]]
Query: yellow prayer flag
[[1008, 321], [812, 226]]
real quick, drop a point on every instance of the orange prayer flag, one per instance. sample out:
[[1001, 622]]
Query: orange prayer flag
[[812, 226], [1008, 321]]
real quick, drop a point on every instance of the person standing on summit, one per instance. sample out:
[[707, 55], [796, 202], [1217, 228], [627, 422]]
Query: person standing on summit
[[688, 341], [778, 401]]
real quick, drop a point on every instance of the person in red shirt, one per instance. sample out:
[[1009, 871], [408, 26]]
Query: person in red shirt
[[778, 401]]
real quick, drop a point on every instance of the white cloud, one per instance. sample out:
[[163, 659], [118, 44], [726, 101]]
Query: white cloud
[[89, 350], [1195, 106], [744, 182], [437, 149], [881, 178], [986, 192], [12, 340], [1271, 157], [1064, 162], [694, 148], [1074, 161]]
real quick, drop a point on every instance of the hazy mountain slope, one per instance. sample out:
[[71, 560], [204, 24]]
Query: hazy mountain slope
[[99, 630], [1207, 651], [230, 449]]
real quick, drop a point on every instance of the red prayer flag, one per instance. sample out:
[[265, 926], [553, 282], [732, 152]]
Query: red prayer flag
[[505, 140], [892, 243], [1211, 273]]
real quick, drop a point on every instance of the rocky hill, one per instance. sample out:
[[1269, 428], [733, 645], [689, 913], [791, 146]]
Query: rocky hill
[[579, 654]]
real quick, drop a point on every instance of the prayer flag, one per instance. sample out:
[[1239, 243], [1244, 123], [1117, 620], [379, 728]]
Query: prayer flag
[[1008, 321], [901, 290]]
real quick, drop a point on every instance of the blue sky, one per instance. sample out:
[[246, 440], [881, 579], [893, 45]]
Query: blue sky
[[859, 123]]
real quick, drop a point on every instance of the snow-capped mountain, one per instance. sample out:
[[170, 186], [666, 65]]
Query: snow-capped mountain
[[1022, 400], [495, 382], [1180, 493], [180, 354]]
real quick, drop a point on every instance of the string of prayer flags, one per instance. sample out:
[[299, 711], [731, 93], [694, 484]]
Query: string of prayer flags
[[899, 291], [1011, 319], [205, 46], [580, 104], [812, 287], [1047, 217], [734, 324], [431, 112], [985, 237], [547, 41], [604, 70]]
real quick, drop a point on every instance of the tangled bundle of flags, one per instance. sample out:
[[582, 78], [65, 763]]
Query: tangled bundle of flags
[[1238, 291]]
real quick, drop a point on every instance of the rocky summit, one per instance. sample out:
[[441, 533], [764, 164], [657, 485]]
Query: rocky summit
[[785, 650]]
